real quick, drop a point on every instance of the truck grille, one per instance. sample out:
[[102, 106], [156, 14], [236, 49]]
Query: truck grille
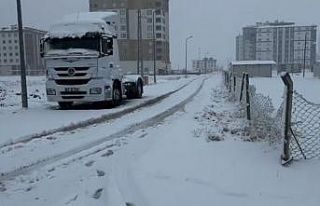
[[75, 75], [72, 97], [73, 93], [72, 81], [77, 69]]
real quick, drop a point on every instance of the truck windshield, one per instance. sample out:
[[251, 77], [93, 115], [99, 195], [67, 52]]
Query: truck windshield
[[74, 43]]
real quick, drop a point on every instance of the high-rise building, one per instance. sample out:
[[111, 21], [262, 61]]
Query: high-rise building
[[239, 48], [154, 17], [9, 51], [289, 45]]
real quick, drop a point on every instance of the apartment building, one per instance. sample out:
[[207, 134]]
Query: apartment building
[[204, 65], [289, 45], [154, 17], [9, 51]]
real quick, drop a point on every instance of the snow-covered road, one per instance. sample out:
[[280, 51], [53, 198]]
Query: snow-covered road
[[36, 153], [44, 118], [169, 161]]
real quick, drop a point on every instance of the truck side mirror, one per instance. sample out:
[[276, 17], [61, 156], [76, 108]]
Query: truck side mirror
[[42, 48], [107, 46]]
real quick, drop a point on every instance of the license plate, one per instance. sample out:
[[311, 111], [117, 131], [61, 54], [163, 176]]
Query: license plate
[[71, 89]]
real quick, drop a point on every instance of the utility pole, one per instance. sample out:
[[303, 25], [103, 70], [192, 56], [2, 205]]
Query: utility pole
[[186, 63], [154, 48], [24, 92], [304, 55], [138, 38], [141, 45]]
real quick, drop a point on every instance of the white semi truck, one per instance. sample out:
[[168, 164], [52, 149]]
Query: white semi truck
[[82, 61]]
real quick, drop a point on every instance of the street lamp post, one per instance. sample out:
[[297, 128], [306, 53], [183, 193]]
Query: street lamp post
[[186, 63], [154, 48], [304, 55], [24, 93]]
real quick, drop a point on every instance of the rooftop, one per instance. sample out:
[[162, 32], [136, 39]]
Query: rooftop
[[254, 62]]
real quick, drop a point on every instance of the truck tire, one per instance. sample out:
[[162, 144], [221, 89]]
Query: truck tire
[[139, 89], [116, 96], [65, 105]]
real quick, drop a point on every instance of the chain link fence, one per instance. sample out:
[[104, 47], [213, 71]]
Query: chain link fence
[[264, 121], [296, 122], [305, 128], [3, 94]]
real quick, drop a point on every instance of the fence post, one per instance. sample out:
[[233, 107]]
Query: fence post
[[230, 82], [242, 86], [248, 97], [234, 84], [287, 111]]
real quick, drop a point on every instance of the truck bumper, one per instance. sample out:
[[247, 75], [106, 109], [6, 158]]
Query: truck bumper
[[96, 90]]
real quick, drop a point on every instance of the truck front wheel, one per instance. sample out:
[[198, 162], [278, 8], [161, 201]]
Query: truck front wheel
[[116, 96], [65, 105]]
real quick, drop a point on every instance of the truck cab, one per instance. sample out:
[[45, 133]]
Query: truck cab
[[82, 61]]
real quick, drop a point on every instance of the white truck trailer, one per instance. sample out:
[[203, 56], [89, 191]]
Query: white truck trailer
[[82, 61]]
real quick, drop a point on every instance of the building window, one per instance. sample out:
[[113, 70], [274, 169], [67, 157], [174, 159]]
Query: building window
[[158, 12], [149, 28], [158, 28], [123, 20], [4, 41], [149, 20], [17, 54], [149, 12], [10, 41], [4, 48], [122, 12], [158, 20], [158, 35], [158, 3]]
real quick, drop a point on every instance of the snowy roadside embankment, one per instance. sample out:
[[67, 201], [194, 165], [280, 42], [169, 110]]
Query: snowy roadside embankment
[[20, 124]]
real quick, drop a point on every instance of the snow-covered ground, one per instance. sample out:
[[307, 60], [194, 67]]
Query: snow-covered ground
[[274, 87], [16, 123], [198, 155]]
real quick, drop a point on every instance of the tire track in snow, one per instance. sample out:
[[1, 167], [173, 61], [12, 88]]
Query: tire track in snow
[[93, 121], [4, 176]]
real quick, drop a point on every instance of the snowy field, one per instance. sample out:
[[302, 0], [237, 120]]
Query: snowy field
[[274, 87], [16, 123], [196, 154]]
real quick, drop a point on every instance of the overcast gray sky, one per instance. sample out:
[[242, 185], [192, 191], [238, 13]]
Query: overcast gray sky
[[213, 23]]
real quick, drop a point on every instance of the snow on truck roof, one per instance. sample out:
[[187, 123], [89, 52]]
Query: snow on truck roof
[[79, 24], [252, 62]]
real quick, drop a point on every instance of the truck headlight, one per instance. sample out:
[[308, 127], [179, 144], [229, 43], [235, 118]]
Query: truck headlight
[[96, 90], [51, 91]]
